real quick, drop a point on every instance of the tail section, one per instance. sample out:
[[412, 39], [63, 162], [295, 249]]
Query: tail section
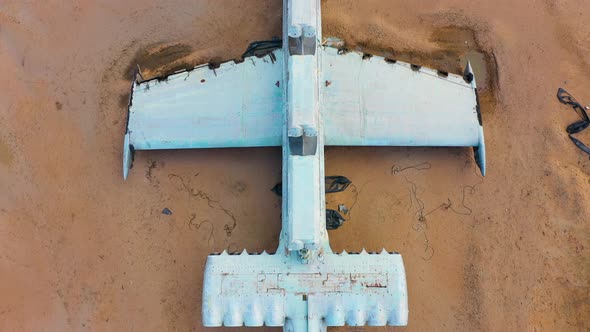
[[277, 290]]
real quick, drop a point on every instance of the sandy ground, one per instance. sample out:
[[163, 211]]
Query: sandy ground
[[82, 250]]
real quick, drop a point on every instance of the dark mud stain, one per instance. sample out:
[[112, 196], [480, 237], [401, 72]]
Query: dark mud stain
[[160, 59], [239, 187], [454, 37], [472, 308], [5, 154], [151, 165], [124, 100], [108, 112], [478, 63]]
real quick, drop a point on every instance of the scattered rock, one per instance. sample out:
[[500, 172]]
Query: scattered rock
[[342, 208]]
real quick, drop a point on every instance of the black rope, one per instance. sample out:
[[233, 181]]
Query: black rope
[[566, 98], [262, 48]]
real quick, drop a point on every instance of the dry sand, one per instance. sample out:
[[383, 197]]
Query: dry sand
[[81, 250]]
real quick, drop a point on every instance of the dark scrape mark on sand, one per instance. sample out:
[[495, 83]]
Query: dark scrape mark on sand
[[238, 187], [124, 100], [472, 308], [159, 59], [5, 154], [151, 165], [496, 77]]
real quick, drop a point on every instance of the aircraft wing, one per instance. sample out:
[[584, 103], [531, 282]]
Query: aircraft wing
[[234, 105], [364, 101], [368, 100]]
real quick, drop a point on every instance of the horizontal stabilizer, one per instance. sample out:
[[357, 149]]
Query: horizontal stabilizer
[[272, 290]]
